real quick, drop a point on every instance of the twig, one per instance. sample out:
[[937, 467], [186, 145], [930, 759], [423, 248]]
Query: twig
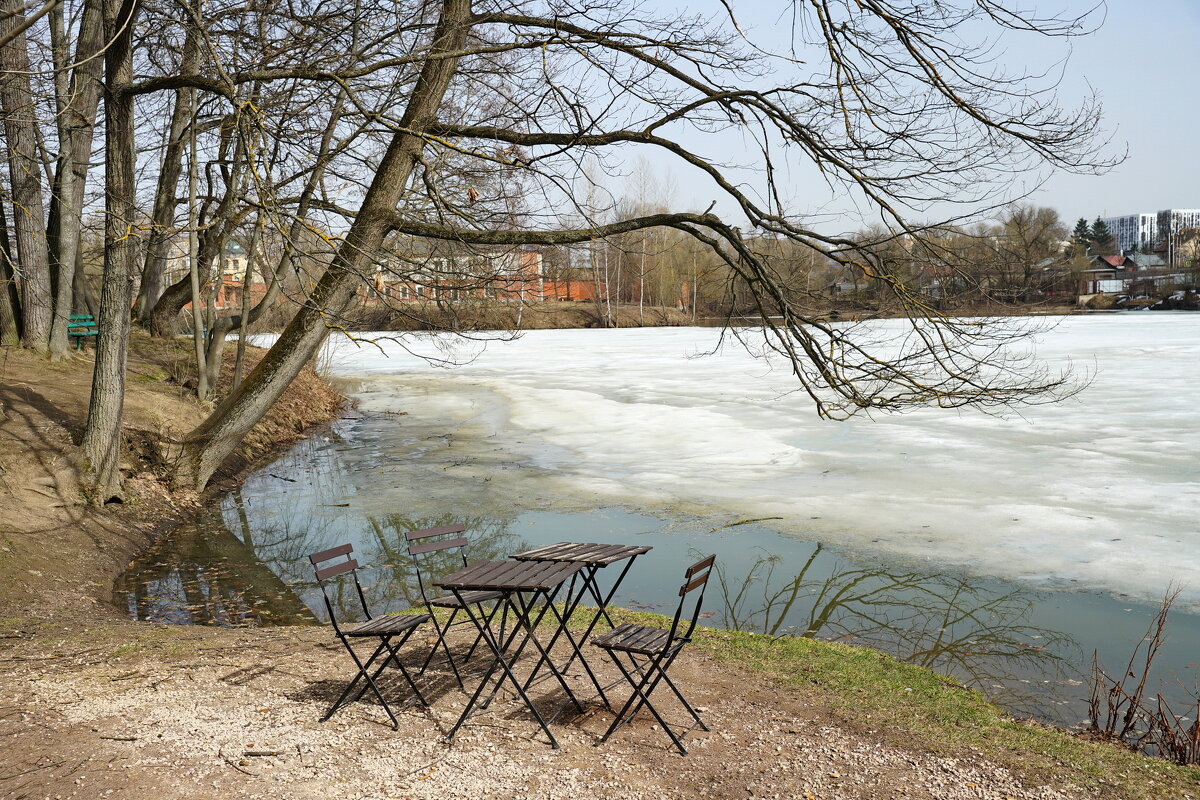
[[234, 764]]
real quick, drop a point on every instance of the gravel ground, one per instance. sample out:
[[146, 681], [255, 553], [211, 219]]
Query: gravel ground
[[241, 720]]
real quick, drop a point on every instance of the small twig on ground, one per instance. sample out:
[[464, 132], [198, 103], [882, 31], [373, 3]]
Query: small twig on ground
[[234, 764]]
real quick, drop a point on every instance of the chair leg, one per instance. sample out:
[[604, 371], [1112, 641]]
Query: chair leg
[[441, 635], [363, 673], [487, 621], [394, 657], [499, 662], [648, 678]]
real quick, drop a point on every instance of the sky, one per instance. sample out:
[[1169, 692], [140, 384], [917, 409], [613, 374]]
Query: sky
[[1143, 63], [1140, 62]]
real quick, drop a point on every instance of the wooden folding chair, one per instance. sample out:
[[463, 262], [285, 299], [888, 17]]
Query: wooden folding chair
[[651, 651], [385, 629], [421, 544]]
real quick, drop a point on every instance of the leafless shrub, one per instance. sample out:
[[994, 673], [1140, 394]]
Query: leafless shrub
[[1120, 711]]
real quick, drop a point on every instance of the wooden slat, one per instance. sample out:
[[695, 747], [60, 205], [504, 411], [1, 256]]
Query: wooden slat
[[429, 547], [695, 584], [427, 532], [336, 569], [510, 575], [391, 623], [583, 552], [544, 553], [699, 565], [333, 552], [467, 576]]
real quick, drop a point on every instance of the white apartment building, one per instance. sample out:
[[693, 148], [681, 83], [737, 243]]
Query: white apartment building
[[1133, 231], [1155, 231]]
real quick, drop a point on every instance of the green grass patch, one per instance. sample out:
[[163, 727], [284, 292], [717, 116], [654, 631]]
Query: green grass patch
[[911, 706]]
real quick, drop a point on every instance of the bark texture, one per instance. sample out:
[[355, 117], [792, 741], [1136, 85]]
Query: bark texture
[[29, 220], [78, 104], [102, 436]]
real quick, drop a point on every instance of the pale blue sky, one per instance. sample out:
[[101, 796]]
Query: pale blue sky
[[1143, 63]]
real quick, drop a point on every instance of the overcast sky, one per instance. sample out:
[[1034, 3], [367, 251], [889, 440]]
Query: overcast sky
[[1142, 62]]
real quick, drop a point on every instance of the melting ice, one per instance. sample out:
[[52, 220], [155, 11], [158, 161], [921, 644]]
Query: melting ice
[[1099, 491]]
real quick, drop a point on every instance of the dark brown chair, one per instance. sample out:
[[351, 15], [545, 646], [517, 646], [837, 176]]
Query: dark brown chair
[[445, 539], [651, 651], [385, 629]]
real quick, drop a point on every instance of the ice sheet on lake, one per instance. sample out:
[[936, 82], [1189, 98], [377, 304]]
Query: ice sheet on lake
[[1101, 489]]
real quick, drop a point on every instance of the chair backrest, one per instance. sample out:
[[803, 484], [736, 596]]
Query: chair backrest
[[695, 578], [349, 564], [432, 540]]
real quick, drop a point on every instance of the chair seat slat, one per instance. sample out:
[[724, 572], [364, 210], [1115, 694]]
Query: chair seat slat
[[388, 624], [468, 598]]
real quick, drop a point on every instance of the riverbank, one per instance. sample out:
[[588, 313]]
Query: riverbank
[[94, 703]]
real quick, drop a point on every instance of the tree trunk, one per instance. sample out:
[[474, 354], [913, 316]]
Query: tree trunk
[[214, 439], [102, 435], [83, 298], [10, 303], [158, 247], [78, 101], [29, 221]]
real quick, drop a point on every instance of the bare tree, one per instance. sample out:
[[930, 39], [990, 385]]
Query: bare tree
[[470, 125], [919, 116]]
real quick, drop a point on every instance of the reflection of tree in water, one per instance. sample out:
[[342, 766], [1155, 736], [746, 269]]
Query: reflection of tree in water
[[397, 586], [387, 573], [204, 575], [948, 624]]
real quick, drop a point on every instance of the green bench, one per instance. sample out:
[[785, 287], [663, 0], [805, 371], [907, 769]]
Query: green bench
[[80, 326]]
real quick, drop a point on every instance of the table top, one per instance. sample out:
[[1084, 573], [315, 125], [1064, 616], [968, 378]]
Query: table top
[[521, 576], [583, 553]]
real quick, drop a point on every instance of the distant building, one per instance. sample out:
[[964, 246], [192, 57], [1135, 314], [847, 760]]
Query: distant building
[[504, 275], [1133, 231], [1135, 274], [1156, 232], [232, 263]]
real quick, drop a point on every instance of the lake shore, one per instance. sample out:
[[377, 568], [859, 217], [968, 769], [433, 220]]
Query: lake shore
[[95, 703]]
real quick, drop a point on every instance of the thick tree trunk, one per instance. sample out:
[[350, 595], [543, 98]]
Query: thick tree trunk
[[10, 303], [213, 440], [78, 101], [158, 247], [29, 220], [102, 435]]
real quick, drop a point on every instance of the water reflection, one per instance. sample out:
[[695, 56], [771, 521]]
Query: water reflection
[[204, 575], [979, 634]]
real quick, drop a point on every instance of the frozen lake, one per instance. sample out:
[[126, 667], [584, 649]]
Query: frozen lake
[[1099, 492]]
